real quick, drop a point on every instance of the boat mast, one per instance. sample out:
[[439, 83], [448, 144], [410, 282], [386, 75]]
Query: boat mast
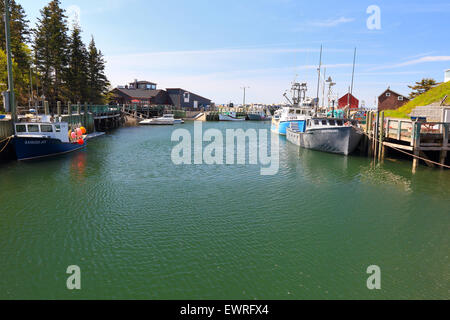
[[10, 92], [318, 79], [353, 77]]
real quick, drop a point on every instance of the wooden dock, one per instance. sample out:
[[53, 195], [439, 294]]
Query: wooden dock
[[418, 139]]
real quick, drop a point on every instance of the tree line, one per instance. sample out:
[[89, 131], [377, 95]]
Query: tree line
[[50, 61]]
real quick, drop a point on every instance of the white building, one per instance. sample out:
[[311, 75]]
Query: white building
[[447, 76]]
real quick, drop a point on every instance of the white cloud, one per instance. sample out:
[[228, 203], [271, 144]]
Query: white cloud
[[414, 62], [423, 60], [331, 22]]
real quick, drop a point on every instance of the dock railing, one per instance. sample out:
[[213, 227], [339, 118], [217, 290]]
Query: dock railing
[[407, 136]]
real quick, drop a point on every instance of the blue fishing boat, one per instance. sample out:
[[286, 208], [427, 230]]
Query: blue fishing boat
[[300, 109], [33, 140]]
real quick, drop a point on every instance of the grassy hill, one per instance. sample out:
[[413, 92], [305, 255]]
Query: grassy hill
[[434, 95]]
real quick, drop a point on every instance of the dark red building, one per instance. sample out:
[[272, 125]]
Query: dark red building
[[391, 100], [345, 100]]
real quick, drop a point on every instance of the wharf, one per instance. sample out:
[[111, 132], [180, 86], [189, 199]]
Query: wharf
[[424, 141]]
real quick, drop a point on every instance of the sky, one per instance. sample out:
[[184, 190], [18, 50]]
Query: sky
[[215, 48]]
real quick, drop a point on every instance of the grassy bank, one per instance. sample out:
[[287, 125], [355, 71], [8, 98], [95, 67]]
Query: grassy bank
[[434, 95]]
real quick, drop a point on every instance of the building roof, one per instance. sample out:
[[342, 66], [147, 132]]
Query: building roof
[[392, 91], [139, 93], [143, 82], [346, 96], [187, 91]]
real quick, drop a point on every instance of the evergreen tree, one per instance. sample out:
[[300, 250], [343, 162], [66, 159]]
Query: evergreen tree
[[20, 33], [422, 87], [21, 53], [51, 47], [77, 73], [97, 80]]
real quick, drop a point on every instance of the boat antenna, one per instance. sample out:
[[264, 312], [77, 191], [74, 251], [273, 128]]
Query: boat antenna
[[318, 79], [10, 93]]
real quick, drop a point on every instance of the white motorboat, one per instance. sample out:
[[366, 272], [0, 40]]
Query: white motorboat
[[167, 119]]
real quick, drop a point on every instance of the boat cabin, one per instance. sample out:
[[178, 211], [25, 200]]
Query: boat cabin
[[57, 130], [330, 122]]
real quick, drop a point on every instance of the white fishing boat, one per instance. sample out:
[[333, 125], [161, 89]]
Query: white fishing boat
[[230, 116], [167, 119], [340, 136]]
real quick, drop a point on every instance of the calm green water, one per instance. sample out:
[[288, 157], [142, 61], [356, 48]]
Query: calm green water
[[140, 227]]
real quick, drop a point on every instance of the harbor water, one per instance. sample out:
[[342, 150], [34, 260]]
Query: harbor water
[[141, 227]]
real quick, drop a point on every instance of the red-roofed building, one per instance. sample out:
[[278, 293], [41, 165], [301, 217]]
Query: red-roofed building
[[344, 101]]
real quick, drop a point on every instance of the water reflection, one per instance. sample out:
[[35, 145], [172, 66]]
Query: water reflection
[[78, 166]]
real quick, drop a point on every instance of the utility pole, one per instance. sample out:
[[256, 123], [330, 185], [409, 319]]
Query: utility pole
[[12, 102], [244, 88]]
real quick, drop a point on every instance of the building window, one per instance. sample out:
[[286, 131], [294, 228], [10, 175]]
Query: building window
[[400, 98], [388, 94]]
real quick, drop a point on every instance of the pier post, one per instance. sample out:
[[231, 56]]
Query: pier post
[[375, 136], [381, 138], [46, 108], [58, 108], [416, 144], [69, 112], [443, 154], [369, 133]]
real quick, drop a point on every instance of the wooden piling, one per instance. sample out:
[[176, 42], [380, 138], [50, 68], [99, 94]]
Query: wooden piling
[[46, 108], [375, 136], [416, 144], [444, 152], [381, 137]]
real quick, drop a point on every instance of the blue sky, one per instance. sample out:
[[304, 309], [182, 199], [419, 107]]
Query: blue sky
[[214, 48]]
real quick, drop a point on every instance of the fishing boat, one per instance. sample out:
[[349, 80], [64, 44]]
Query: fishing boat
[[230, 116], [33, 140], [167, 119], [257, 115], [340, 136]]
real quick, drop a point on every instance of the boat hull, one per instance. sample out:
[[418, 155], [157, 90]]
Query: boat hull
[[156, 123], [280, 127], [256, 117], [224, 117], [340, 140], [28, 148]]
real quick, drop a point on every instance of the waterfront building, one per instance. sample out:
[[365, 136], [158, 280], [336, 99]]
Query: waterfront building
[[183, 99], [391, 100], [146, 93], [140, 92], [348, 99]]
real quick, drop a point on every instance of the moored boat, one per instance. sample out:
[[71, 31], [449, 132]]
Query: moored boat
[[43, 139], [258, 116], [340, 136], [167, 119], [230, 116]]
